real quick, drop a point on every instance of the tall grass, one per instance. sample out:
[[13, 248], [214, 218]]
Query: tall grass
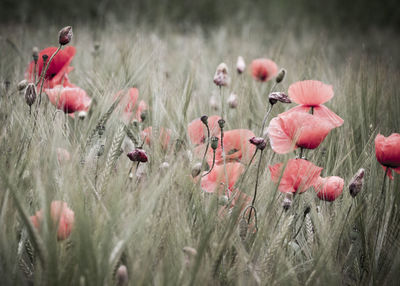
[[145, 223]]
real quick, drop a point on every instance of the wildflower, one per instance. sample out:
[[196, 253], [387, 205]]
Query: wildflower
[[138, 155], [281, 76], [387, 151], [65, 35], [263, 69], [232, 101], [259, 142], [215, 181], [128, 103], [297, 177], [164, 136], [291, 130], [274, 97], [221, 77], [312, 94], [62, 155], [61, 216], [198, 132], [240, 65], [357, 182], [69, 99], [30, 94], [329, 188]]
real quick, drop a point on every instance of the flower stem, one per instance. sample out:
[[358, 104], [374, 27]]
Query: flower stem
[[222, 143], [208, 144], [212, 166], [265, 120], [255, 187]]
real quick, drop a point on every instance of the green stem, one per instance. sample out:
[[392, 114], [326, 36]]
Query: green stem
[[208, 143], [265, 120], [256, 186]]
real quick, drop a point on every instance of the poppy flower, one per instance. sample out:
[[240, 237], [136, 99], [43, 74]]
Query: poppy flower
[[297, 177], [69, 99], [198, 132], [63, 155], [263, 69], [313, 93], [58, 68], [61, 215], [164, 136], [291, 130], [237, 147], [128, 103], [329, 188], [387, 151], [214, 181]]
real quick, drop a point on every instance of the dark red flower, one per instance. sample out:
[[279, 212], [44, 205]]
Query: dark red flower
[[138, 155]]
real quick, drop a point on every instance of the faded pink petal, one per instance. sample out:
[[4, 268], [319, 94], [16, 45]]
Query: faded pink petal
[[310, 92]]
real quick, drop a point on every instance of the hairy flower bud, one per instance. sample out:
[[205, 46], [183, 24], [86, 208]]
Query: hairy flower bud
[[232, 100], [287, 201], [281, 76], [30, 94], [65, 35], [259, 142], [82, 114], [138, 155], [45, 57], [204, 119], [278, 96], [214, 142], [22, 85], [221, 77], [35, 54], [240, 65], [122, 276], [196, 170], [356, 182]]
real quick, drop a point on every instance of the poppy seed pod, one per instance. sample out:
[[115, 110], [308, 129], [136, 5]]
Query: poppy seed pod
[[274, 97], [204, 119], [356, 183], [232, 101], [240, 65], [281, 76], [65, 35], [221, 123], [221, 77], [22, 85], [214, 142], [30, 94], [35, 54], [259, 142], [122, 275], [138, 155]]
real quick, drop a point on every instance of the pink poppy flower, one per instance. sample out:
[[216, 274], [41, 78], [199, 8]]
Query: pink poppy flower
[[263, 69], [128, 103], [58, 68], [198, 132], [291, 130], [387, 151], [313, 93], [329, 188], [69, 99], [297, 177], [61, 215], [163, 138], [215, 180], [63, 155]]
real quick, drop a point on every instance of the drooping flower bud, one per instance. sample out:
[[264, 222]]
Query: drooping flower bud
[[65, 35], [196, 170], [82, 114], [138, 155], [214, 142], [30, 94], [213, 103], [287, 201], [240, 65], [22, 85], [356, 182], [259, 142], [281, 76], [221, 77], [232, 101], [35, 54], [190, 253], [274, 97], [204, 119], [122, 276]]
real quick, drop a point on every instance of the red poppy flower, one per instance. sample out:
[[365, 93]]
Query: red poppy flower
[[263, 69], [58, 68], [298, 175], [69, 99], [60, 214], [329, 188], [164, 136], [128, 103], [215, 180], [313, 93], [291, 130], [387, 150], [198, 132]]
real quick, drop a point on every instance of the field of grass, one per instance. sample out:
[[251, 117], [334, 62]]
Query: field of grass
[[146, 221]]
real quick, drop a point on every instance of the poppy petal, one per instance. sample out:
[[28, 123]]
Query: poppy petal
[[310, 92]]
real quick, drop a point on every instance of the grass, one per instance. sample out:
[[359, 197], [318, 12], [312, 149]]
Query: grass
[[144, 224]]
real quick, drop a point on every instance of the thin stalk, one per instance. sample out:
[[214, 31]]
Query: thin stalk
[[344, 224], [256, 186], [265, 120], [222, 142], [208, 144], [247, 168], [43, 76], [212, 166]]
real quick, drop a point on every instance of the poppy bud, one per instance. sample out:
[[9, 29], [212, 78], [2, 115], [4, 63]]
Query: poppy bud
[[35, 54], [138, 155], [240, 65], [30, 94], [122, 275], [221, 123], [65, 35], [189, 252], [259, 142], [232, 101], [307, 210], [356, 182], [196, 170], [278, 96], [45, 57], [82, 115], [221, 77], [214, 142], [204, 119], [281, 76], [223, 200], [287, 201], [143, 115], [213, 103], [22, 85], [101, 129]]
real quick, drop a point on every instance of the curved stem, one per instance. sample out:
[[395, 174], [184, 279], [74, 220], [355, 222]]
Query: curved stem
[[256, 186], [208, 144], [247, 168], [344, 224], [265, 120], [212, 166], [222, 143]]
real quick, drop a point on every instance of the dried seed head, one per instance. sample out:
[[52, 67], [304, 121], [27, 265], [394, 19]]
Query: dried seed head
[[213, 103], [278, 96], [259, 142], [65, 35], [138, 155], [22, 85], [214, 142], [204, 119], [232, 100], [356, 182], [281, 76], [82, 115], [287, 201], [240, 65], [196, 170], [223, 200], [221, 77], [35, 54], [122, 275], [30, 94]]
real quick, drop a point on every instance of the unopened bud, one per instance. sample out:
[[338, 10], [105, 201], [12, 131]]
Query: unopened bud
[[214, 142], [30, 94], [82, 115], [35, 54], [45, 57], [22, 85], [190, 251], [196, 170], [223, 200], [204, 119], [122, 275], [138, 155], [221, 123], [240, 65], [281, 76], [356, 182], [278, 96], [221, 77], [143, 115], [65, 35], [232, 100], [259, 142], [287, 201]]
